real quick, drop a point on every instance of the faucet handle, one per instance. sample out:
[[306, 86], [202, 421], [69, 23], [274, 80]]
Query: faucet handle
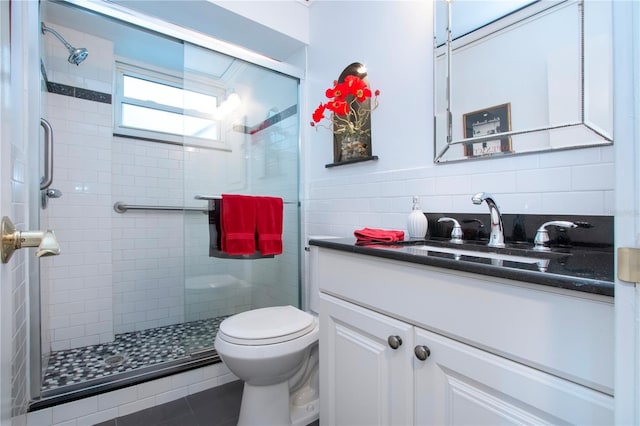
[[541, 239], [13, 240], [456, 233]]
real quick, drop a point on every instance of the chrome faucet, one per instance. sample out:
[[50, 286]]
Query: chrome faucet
[[496, 238], [542, 235]]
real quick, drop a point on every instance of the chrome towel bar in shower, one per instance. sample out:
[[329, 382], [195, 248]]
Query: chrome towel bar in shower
[[219, 197], [121, 207]]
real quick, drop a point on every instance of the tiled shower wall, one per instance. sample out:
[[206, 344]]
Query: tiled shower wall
[[79, 282], [147, 245], [130, 271], [161, 258]]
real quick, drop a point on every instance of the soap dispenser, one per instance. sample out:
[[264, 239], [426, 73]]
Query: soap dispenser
[[417, 223]]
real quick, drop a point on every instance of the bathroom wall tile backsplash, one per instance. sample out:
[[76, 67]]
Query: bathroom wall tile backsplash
[[578, 182]]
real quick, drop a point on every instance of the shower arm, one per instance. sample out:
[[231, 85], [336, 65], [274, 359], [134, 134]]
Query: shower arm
[[76, 55], [58, 36]]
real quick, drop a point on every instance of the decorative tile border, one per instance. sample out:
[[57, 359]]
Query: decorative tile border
[[77, 92]]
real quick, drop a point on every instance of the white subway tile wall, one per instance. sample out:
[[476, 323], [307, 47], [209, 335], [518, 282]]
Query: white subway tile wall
[[148, 279], [564, 183], [18, 272], [77, 286], [80, 283]]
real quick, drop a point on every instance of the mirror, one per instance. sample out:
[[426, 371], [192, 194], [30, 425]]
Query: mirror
[[516, 77]]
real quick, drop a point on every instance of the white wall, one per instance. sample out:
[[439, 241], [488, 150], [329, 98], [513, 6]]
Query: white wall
[[287, 17], [627, 219], [394, 41]]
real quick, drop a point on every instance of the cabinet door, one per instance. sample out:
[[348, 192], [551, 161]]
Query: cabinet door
[[363, 380], [462, 385]]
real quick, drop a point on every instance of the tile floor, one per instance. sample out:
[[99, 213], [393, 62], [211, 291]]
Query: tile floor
[[219, 406]]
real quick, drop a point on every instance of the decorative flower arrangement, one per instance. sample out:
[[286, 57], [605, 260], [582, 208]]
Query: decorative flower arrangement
[[349, 113]]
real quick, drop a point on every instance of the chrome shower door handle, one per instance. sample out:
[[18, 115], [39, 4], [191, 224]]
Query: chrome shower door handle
[[47, 179]]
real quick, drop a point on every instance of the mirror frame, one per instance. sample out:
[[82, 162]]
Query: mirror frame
[[526, 12]]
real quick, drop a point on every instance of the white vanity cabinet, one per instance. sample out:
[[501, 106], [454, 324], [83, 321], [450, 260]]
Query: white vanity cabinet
[[461, 385], [499, 352], [364, 380]]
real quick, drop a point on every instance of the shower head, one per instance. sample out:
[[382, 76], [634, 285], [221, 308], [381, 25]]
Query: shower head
[[76, 54]]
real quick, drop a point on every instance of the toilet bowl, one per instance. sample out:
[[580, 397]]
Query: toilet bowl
[[274, 351]]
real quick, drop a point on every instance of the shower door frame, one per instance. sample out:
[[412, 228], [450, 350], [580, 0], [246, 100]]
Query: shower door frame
[[129, 17]]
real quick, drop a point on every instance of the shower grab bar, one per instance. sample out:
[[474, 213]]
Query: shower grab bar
[[121, 207], [47, 179]]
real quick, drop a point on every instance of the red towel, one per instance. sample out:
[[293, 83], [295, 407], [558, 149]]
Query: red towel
[[378, 235], [269, 211], [238, 224]]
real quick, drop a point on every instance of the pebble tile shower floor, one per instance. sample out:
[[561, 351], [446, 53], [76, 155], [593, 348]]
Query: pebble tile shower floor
[[129, 351]]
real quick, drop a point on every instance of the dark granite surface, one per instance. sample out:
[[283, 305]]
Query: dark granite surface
[[580, 268]]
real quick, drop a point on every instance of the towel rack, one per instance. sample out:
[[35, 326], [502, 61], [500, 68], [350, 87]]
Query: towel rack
[[121, 207], [219, 197]]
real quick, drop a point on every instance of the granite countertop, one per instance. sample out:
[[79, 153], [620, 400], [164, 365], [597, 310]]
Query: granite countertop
[[576, 268]]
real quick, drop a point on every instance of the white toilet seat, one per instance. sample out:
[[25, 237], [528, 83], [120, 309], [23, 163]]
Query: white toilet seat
[[266, 326]]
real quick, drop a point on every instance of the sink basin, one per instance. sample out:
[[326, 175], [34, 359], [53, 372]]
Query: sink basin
[[421, 249], [477, 250]]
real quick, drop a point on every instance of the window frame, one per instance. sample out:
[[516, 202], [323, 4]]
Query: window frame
[[197, 84]]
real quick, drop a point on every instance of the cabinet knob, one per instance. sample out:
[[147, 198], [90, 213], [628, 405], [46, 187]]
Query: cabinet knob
[[422, 352], [394, 342]]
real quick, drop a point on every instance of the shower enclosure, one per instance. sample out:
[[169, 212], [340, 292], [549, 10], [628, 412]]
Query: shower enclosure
[[145, 130]]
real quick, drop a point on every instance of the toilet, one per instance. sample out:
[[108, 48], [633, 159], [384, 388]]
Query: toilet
[[274, 351]]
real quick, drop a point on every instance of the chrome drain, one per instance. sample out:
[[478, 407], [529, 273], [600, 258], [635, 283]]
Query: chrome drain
[[114, 360]]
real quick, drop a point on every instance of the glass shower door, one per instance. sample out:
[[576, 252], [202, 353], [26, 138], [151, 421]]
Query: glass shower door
[[139, 133], [255, 152]]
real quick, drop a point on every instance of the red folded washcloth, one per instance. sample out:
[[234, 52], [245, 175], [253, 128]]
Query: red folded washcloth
[[269, 212], [378, 235], [238, 224]]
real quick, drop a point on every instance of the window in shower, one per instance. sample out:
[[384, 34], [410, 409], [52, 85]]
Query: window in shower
[[156, 105]]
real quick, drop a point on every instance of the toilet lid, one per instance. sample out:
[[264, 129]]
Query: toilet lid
[[266, 325]]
